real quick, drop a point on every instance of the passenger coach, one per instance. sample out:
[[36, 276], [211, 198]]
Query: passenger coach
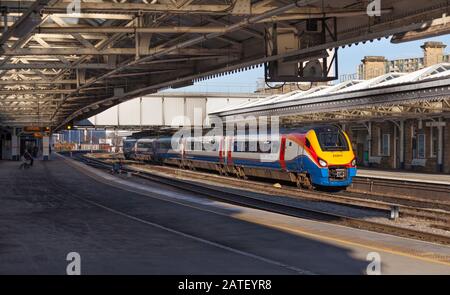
[[314, 156]]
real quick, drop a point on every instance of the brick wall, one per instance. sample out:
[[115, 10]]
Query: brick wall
[[373, 66], [446, 147], [387, 162], [433, 53], [409, 143]]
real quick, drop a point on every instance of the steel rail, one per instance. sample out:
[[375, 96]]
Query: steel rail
[[248, 201]]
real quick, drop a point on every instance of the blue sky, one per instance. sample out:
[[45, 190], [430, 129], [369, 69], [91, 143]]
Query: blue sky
[[349, 59]]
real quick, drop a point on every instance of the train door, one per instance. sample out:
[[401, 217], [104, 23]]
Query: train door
[[228, 150], [301, 154], [182, 148], [291, 155], [221, 150]]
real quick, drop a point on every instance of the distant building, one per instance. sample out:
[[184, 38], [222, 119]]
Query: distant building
[[374, 66]]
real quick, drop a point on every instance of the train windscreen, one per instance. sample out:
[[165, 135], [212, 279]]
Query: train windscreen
[[332, 140], [128, 144]]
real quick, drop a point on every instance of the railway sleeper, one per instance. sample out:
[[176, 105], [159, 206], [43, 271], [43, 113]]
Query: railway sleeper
[[303, 181], [240, 172]]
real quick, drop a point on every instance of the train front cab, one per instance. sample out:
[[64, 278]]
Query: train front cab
[[328, 157]]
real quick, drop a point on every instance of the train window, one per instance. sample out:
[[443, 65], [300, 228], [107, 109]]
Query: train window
[[210, 144], [332, 141], [166, 144], [275, 146], [252, 146], [307, 143], [239, 146], [264, 147], [290, 143]]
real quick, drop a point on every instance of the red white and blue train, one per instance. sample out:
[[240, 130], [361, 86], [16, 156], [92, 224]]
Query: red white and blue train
[[315, 156]]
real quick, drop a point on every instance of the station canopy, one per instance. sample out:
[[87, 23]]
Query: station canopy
[[62, 61], [421, 94]]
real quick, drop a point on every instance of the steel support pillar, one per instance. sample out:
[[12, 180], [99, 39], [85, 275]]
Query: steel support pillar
[[46, 148], [440, 150], [402, 144], [15, 145]]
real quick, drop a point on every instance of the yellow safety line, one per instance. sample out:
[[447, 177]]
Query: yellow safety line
[[346, 242]]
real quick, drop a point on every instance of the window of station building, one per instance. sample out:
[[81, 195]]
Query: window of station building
[[433, 141], [385, 144], [421, 146]]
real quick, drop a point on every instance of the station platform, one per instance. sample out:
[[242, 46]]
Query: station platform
[[405, 176], [122, 225]]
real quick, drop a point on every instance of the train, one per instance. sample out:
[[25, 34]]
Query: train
[[311, 157]]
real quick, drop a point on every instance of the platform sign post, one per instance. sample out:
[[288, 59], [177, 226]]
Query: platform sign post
[[46, 147]]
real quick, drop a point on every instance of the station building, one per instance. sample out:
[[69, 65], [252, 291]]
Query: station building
[[396, 120]]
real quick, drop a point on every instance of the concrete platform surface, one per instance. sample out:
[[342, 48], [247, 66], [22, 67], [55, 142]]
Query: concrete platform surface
[[405, 176], [127, 227]]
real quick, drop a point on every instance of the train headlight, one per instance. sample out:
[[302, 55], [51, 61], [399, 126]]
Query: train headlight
[[322, 163], [353, 162]]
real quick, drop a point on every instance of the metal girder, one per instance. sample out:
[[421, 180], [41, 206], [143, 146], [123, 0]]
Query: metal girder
[[143, 47], [435, 106], [110, 30], [209, 9], [113, 51], [54, 65]]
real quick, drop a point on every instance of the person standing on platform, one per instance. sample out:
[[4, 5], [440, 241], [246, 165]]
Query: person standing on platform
[[28, 157]]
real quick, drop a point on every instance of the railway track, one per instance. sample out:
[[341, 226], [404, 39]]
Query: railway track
[[277, 207], [344, 198], [407, 206], [407, 191]]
